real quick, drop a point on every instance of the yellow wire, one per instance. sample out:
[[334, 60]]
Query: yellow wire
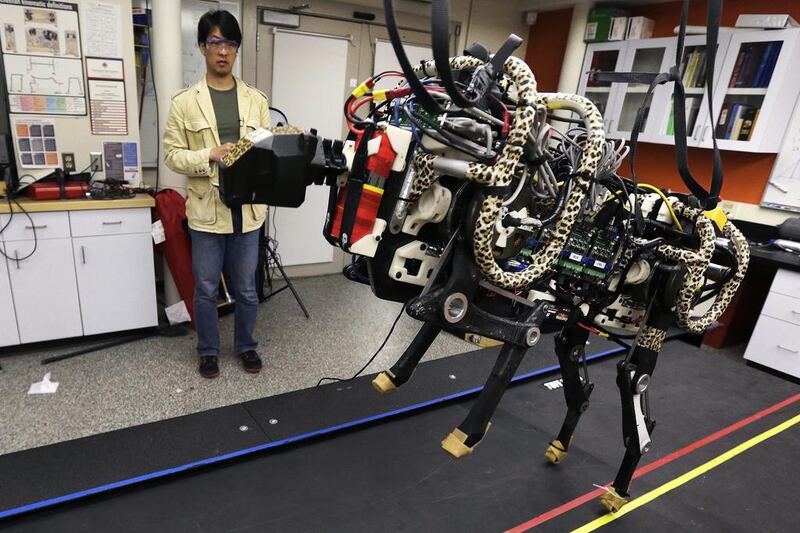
[[663, 196]]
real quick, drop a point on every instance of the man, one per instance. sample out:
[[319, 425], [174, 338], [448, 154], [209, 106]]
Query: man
[[204, 122]]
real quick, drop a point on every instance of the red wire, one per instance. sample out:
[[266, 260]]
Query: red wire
[[589, 329]]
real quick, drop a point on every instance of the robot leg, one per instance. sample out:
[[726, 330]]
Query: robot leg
[[462, 440], [389, 380]]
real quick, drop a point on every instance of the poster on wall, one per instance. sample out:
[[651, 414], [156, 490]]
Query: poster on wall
[[36, 145], [108, 110], [40, 42], [122, 162]]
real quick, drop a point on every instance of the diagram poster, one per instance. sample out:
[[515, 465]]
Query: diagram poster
[[40, 41]]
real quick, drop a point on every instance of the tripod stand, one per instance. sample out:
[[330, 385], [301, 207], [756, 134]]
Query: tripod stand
[[274, 258]]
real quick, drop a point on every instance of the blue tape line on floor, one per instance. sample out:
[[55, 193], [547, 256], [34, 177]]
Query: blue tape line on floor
[[282, 442]]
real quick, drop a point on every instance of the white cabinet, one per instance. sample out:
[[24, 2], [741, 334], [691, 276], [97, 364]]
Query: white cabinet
[[693, 69], [601, 57], [86, 272], [775, 342], [646, 55], [44, 289], [9, 335], [116, 282], [756, 81], [759, 83]]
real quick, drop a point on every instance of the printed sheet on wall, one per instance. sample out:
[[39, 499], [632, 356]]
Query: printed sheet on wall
[[42, 55]]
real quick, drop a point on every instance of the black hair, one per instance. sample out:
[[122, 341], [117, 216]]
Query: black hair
[[224, 20]]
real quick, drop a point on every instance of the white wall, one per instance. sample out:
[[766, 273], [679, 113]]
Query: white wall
[[73, 134]]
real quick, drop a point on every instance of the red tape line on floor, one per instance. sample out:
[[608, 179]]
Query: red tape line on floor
[[580, 500]]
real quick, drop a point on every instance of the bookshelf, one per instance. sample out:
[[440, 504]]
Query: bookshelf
[[601, 56], [756, 82]]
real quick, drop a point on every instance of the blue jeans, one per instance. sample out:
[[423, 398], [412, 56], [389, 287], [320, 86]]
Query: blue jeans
[[237, 252]]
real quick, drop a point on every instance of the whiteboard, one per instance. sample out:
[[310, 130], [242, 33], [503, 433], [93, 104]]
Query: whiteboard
[[783, 188], [300, 62], [194, 67], [385, 59]]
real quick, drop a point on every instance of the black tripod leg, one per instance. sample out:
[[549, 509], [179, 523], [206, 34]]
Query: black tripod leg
[[391, 379], [633, 378], [570, 349], [462, 440], [288, 281]]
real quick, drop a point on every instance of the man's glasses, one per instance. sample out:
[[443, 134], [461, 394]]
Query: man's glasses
[[216, 44]]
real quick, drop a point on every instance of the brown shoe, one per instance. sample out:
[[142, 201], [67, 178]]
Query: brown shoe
[[208, 366], [251, 361]]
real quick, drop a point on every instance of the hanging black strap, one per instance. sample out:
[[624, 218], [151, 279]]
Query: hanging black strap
[[707, 199], [425, 100]]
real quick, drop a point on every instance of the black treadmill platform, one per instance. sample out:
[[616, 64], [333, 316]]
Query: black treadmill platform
[[392, 474]]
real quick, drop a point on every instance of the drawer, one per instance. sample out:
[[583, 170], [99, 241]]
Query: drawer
[[109, 222], [782, 307], [775, 344], [53, 225], [786, 282]]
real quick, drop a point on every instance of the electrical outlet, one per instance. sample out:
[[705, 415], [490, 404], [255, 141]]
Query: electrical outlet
[[68, 160], [95, 161]]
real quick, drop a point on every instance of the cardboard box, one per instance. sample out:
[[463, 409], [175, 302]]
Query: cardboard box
[[618, 29], [598, 23], [640, 28]]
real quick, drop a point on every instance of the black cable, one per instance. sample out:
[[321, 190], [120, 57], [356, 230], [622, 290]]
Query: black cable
[[371, 359], [285, 118], [565, 119]]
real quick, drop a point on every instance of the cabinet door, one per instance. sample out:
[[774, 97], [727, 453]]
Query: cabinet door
[[9, 334], [693, 71], [645, 55], [602, 57], [758, 84], [116, 282], [44, 289]]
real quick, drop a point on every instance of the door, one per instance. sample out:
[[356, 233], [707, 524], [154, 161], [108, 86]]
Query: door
[[693, 72], [645, 55], [116, 282], [44, 289], [605, 57], [9, 335]]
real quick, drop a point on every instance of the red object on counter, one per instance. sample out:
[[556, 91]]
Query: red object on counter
[[52, 191]]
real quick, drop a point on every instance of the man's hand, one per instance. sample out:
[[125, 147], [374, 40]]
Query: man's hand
[[216, 154]]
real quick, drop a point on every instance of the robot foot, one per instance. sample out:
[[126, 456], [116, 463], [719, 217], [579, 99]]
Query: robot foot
[[383, 383], [556, 452], [612, 500], [456, 442]]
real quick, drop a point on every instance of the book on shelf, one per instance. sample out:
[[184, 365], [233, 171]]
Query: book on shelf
[[737, 67], [719, 131], [700, 76], [748, 120], [749, 65], [690, 69], [734, 115], [671, 123]]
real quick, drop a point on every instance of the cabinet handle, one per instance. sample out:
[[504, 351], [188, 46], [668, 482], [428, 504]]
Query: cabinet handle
[[696, 132], [788, 349], [705, 130], [115, 223], [43, 226], [16, 258], [83, 255]]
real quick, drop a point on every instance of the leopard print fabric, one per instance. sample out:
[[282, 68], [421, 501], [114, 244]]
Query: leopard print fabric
[[245, 143], [697, 262], [651, 338], [501, 173]]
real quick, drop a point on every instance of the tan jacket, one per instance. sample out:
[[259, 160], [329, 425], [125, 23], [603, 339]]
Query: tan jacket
[[190, 133]]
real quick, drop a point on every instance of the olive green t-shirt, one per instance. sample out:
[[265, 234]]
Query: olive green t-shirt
[[226, 109]]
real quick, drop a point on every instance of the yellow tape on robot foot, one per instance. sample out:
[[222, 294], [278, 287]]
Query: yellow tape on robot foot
[[383, 383], [612, 501], [557, 452], [454, 443]]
